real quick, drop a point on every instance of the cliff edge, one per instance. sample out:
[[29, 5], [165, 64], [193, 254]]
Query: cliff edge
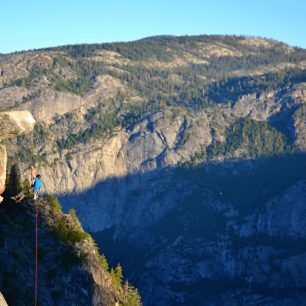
[[71, 270]]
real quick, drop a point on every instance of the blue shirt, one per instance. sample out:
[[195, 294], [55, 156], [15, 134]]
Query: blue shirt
[[37, 184]]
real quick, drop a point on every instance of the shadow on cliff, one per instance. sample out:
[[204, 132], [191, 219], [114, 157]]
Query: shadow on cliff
[[246, 184], [161, 200], [163, 205], [17, 247]]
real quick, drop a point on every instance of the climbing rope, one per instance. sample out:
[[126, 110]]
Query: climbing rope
[[36, 257]]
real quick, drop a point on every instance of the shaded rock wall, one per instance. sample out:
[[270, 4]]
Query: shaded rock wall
[[3, 160], [12, 124]]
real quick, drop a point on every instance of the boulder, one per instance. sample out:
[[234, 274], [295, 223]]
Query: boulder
[[15, 123]]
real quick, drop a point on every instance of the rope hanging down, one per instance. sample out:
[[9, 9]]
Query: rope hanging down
[[36, 257]]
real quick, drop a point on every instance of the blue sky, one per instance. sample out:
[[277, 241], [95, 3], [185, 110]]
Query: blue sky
[[29, 24]]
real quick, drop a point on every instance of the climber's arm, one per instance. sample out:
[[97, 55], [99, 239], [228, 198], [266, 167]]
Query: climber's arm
[[33, 172]]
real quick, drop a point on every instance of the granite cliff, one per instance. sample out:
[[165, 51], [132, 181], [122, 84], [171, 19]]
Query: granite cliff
[[71, 270], [194, 146]]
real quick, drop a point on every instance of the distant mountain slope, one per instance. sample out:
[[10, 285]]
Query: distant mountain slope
[[232, 233], [115, 123], [182, 95]]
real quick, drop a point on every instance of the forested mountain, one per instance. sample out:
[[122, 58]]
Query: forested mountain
[[183, 156]]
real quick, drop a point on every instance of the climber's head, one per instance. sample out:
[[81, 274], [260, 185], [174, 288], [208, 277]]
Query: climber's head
[[38, 176]]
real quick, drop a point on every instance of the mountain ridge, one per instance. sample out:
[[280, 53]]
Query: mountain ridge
[[117, 124], [154, 37]]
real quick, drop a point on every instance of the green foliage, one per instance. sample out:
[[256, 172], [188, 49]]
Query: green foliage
[[138, 50], [135, 114], [103, 260], [40, 134], [202, 83], [54, 204], [230, 90], [79, 86], [31, 79], [73, 214], [29, 155], [133, 297], [159, 47], [64, 232], [31, 96], [131, 294], [197, 158], [254, 138], [103, 124], [63, 229], [27, 146], [116, 276], [103, 127], [86, 73], [23, 82]]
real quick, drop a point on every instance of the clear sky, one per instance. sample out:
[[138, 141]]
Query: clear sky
[[29, 24]]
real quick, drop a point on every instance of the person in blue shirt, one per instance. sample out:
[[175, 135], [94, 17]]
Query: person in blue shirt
[[36, 187]]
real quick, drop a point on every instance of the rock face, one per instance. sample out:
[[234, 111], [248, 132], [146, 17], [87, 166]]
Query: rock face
[[92, 284], [15, 123], [3, 160], [189, 145], [218, 228], [70, 269], [2, 300], [300, 126], [156, 142], [80, 276], [12, 124]]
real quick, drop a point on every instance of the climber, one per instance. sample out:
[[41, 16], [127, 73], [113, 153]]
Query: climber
[[36, 187]]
